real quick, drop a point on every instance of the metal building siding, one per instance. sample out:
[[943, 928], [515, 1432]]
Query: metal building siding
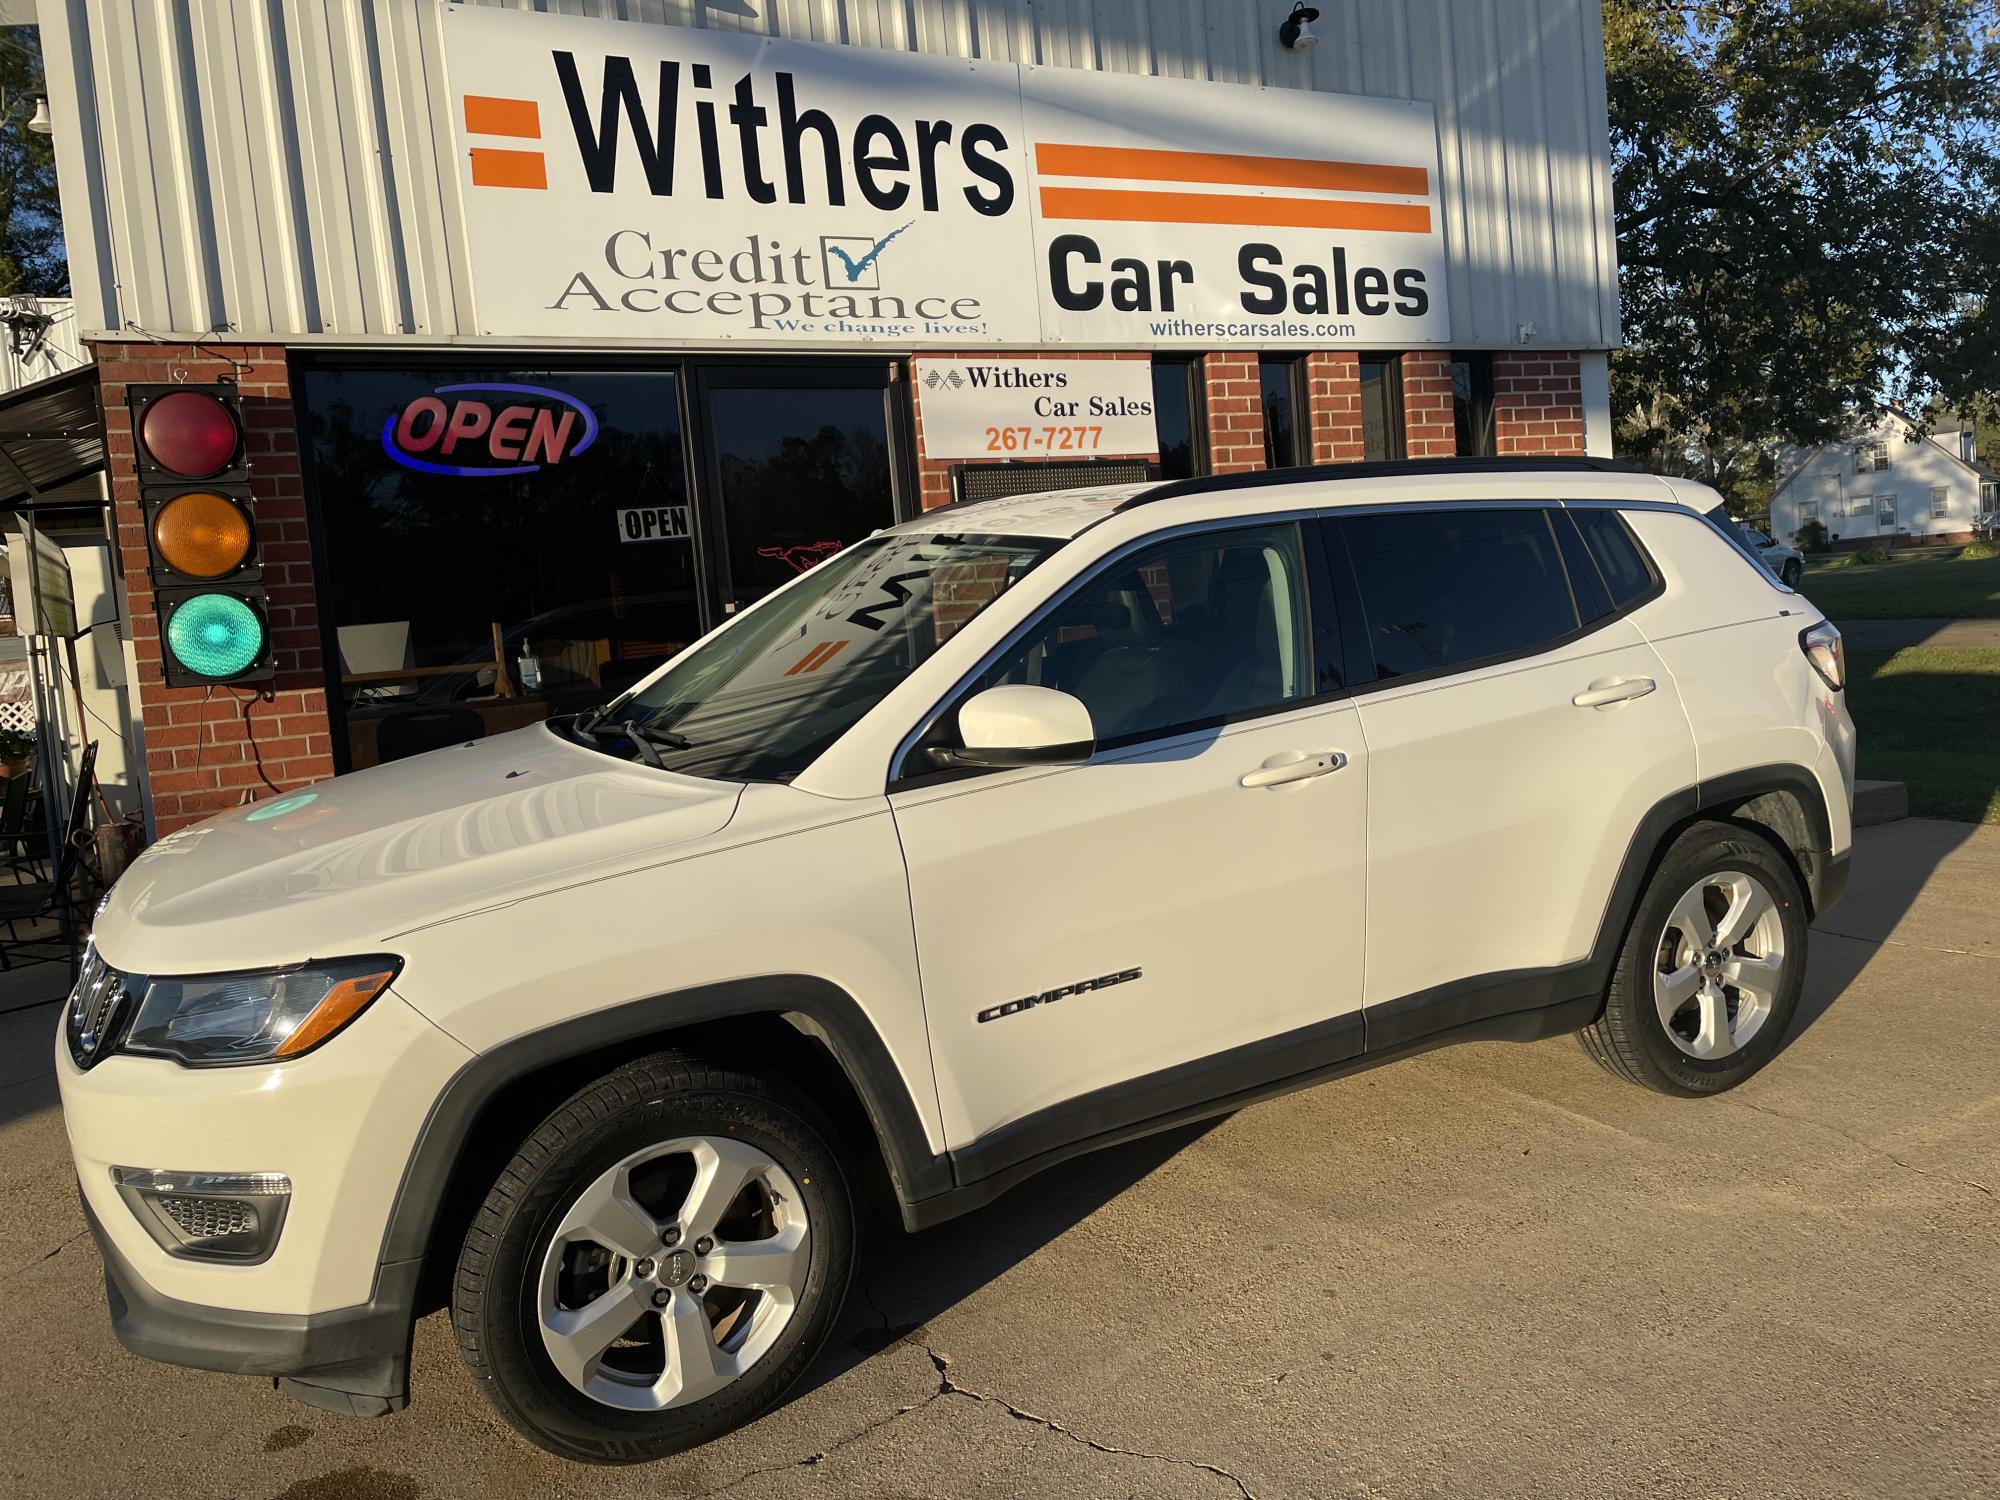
[[285, 167]]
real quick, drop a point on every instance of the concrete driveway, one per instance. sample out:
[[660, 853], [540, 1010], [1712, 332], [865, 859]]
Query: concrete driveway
[[1489, 1271]]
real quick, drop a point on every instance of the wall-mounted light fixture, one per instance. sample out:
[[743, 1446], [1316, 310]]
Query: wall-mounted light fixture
[[41, 121], [1297, 32]]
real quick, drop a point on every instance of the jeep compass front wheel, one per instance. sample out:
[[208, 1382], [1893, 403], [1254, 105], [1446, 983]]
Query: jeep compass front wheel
[[660, 1261], [1711, 969]]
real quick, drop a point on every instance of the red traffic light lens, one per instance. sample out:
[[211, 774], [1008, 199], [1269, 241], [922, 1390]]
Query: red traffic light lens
[[189, 433]]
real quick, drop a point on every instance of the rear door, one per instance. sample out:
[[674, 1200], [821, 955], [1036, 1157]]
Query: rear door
[[1105, 943], [1519, 727]]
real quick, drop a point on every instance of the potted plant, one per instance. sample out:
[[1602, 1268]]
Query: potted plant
[[17, 752]]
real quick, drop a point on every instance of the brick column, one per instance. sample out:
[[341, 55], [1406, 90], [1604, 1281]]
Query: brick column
[[1333, 384], [934, 474], [1235, 402], [1428, 429], [210, 749], [1537, 403]]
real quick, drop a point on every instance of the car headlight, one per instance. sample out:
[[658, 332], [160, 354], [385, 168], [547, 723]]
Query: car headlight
[[260, 1016]]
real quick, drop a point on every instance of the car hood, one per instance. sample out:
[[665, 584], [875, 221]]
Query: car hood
[[347, 865]]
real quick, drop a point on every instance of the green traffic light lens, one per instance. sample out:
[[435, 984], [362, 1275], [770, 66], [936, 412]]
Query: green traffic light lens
[[216, 635]]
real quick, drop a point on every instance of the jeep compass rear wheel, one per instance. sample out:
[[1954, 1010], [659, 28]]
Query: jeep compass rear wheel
[[663, 1257], [1711, 969]]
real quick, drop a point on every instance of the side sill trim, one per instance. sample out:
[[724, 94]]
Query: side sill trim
[[1526, 1026]]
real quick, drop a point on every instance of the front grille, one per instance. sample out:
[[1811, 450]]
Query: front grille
[[208, 1218], [96, 1008]]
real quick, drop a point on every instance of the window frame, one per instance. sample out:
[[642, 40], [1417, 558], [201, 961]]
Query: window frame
[[1875, 452], [1362, 674], [1320, 596], [1394, 424], [1940, 498], [1195, 382], [1478, 403], [1298, 391]]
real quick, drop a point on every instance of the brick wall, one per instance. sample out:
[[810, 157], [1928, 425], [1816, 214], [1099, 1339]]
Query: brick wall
[[934, 474], [1235, 401], [1428, 429], [1537, 403], [1333, 386], [212, 748]]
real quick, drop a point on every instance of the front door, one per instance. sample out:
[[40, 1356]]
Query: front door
[[1140, 928], [802, 461]]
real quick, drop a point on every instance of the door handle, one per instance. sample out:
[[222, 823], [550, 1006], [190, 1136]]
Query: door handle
[[1609, 690], [1294, 765]]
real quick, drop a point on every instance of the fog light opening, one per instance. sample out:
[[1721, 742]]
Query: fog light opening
[[230, 1216]]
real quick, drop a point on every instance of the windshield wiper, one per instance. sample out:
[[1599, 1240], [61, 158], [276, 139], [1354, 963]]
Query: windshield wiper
[[647, 740]]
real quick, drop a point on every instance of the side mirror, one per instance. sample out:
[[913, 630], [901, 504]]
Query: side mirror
[[1019, 725]]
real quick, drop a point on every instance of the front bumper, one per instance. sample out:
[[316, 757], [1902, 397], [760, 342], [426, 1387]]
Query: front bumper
[[355, 1360]]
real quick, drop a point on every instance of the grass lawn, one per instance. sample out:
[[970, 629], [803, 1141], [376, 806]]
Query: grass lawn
[[1931, 718], [1912, 584]]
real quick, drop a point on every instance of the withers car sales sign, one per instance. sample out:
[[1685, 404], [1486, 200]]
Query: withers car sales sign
[[633, 181]]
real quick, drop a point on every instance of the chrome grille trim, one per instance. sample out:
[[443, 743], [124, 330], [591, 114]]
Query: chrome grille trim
[[96, 1008]]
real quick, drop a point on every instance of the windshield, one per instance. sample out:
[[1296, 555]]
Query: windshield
[[760, 700]]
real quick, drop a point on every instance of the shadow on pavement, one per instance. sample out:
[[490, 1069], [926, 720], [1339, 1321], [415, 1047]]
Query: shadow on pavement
[[905, 1280], [1893, 864]]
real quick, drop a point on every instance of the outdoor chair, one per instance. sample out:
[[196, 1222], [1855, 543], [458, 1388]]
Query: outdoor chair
[[39, 900]]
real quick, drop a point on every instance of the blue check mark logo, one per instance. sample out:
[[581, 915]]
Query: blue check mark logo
[[874, 252]]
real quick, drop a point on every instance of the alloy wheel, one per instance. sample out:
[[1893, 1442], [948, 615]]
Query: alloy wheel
[[673, 1272], [1719, 965]]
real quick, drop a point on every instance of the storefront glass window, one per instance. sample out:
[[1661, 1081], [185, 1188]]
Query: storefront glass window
[[1381, 407], [1177, 415], [1279, 378], [1472, 404], [803, 471], [498, 547]]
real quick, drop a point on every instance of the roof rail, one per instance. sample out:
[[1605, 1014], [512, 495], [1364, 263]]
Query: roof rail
[[1400, 468]]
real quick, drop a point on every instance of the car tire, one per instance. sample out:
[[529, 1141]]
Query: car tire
[[552, 1263], [1709, 976], [1792, 573]]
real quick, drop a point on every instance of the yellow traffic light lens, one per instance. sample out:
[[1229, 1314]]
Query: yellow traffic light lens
[[201, 535]]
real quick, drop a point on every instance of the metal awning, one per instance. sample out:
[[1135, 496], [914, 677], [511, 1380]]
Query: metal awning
[[52, 442]]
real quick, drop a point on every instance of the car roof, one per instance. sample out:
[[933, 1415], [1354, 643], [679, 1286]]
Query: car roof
[[1067, 513]]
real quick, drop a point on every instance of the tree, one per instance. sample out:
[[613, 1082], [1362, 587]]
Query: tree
[[31, 243], [1808, 212]]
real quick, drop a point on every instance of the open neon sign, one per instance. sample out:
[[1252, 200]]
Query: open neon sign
[[486, 429]]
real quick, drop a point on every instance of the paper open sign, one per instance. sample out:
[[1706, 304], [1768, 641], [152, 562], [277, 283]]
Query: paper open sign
[[653, 523]]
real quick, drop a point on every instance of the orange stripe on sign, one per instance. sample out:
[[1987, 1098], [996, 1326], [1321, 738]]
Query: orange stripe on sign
[[1218, 208], [1147, 165], [510, 169], [486, 115]]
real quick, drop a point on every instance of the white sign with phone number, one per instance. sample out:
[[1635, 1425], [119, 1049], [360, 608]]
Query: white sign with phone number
[[1036, 408]]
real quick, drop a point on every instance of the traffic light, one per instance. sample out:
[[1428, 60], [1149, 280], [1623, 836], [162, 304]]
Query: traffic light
[[201, 534]]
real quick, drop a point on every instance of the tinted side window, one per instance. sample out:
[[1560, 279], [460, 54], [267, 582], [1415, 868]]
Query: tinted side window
[[1191, 631], [1620, 562], [1443, 588]]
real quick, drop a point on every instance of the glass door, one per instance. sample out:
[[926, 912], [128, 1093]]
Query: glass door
[[801, 460]]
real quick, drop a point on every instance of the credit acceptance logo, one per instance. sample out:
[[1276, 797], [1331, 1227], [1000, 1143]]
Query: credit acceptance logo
[[486, 430]]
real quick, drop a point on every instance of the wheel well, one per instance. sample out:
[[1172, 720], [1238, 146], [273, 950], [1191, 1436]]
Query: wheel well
[[766, 1042], [1782, 816]]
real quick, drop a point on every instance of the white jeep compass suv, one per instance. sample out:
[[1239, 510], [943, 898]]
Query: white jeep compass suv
[[1019, 829]]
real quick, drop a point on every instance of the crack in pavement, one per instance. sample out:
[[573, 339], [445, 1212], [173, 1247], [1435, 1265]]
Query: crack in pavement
[[1855, 937], [946, 1386], [949, 1387], [1869, 1146], [45, 1257]]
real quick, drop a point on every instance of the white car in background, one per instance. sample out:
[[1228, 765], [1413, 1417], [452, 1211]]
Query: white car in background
[[1786, 563]]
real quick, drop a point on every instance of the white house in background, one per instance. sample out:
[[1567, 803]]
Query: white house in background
[[1887, 480]]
